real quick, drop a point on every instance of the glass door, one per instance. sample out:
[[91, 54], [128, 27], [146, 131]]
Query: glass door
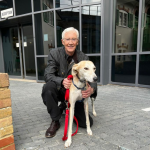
[[18, 50], [11, 51], [26, 32]]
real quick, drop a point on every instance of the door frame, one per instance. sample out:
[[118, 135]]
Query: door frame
[[20, 53]]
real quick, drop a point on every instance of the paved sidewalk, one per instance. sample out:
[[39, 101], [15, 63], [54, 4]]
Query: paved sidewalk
[[120, 120]]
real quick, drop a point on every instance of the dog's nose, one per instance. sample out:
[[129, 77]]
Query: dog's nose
[[95, 79]]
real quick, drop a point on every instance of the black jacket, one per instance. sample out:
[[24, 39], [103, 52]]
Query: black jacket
[[57, 68]]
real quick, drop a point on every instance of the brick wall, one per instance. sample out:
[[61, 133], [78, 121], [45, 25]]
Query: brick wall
[[6, 127]]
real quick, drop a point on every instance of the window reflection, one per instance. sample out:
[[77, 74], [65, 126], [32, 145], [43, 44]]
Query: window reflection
[[43, 4], [66, 18], [126, 26], [22, 6], [90, 1], [65, 3], [146, 25], [6, 4], [11, 51], [144, 69], [96, 61], [91, 28], [44, 31], [41, 65], [123, 68]]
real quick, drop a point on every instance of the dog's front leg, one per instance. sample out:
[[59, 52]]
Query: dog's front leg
[[92, 101], [71, 114], [89, 131]]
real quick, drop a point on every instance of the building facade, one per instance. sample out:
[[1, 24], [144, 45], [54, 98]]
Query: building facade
[[113, 33]]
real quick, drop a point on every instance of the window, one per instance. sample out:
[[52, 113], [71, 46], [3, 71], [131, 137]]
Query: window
[[144, 71], [65, 3], [6, 4], [47, 5], [38, 4], [119, 58], [44, 31], [146, 31], [49, 18], [23, 6], [124, 70], [123, 18], [126, 30], [66, 18], [91, 28]]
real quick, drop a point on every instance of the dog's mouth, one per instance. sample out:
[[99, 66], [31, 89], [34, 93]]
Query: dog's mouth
[[91, 83], [82, 80]]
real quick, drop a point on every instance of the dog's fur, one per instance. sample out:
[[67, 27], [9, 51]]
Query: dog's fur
[[82, 72]]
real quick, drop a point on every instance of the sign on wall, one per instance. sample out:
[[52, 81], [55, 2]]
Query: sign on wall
[[6, 13]]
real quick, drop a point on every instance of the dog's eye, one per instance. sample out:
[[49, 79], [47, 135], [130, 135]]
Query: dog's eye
[[94, 68], [86, 68]]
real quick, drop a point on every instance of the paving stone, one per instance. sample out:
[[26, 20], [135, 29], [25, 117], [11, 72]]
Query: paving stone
[[19, 147], [29, 135], [49, 144], [22, 141], [16, 138], [81, 147], [131, 146], [33, 144], [32, 148], [21, 132], [120, 120], [110, 146], [144, 148]]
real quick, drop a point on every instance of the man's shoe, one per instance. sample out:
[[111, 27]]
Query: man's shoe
[[51, 131], [62, 107]]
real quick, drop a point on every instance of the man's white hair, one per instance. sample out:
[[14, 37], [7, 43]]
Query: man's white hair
[[70, 29]]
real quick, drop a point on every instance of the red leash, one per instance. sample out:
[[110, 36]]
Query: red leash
[[67, 114]]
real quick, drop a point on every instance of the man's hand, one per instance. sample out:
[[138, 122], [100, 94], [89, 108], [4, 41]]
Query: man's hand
[[67, 83], [88, 92]]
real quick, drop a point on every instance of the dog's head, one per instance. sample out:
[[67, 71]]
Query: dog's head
[[85, 70]]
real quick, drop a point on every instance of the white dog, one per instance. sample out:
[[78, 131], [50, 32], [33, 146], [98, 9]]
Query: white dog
[[82, 72]]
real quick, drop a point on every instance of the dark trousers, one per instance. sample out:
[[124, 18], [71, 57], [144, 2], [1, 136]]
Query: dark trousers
[[51, 96]]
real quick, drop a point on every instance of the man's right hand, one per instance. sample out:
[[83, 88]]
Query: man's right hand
[[67, 83]]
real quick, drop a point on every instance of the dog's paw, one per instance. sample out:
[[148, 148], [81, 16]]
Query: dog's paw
[[94, 114], [68, 143], [89, 132]]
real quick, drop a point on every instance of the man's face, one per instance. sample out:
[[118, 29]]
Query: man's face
[[70, 42]]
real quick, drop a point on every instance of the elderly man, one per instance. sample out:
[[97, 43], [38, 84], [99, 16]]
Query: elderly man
[[60, 62]]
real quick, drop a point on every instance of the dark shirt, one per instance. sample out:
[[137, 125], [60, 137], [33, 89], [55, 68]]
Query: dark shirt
[[72, 58]]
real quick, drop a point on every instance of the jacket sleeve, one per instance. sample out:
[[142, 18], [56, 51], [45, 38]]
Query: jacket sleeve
[[51, 71]]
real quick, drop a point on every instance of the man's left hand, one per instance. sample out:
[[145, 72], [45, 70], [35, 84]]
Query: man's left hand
[[88, 92]]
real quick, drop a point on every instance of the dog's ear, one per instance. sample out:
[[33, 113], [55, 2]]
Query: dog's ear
[[75, 69]]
